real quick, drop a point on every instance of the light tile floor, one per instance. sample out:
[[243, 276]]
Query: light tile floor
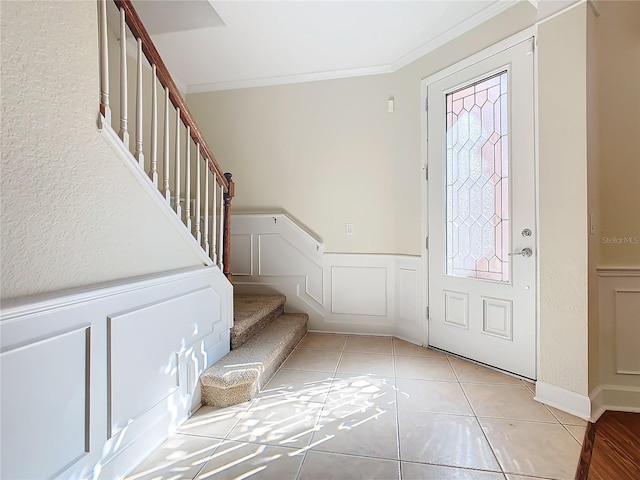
[[344, 407]]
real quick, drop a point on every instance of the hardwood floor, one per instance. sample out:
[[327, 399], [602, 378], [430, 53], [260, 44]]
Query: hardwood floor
[[611, 448]]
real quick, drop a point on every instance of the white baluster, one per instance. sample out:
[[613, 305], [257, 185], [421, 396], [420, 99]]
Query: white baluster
[[197, 212], [124, 131], [214, 238], [205, 240], [165, 149], [105, 110], [138, 150], [187, 181], [153, 168], [177, 168], [221, 230]]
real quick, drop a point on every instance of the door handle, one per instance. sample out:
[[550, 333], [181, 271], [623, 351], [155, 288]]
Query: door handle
[[525, 252]]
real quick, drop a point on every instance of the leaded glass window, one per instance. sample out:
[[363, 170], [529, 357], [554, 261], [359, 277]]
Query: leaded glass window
[[477, 180]]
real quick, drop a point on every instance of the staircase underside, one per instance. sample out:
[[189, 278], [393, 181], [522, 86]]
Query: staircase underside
[[264, 338]]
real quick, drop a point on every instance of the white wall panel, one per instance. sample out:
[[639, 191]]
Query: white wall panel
[[350, 293], [619, 331], [410, 315], [627, 327], [408, 294], [242, 254], [279, 257], [359, 290], [45, 402], [137, 382], [62, 387]]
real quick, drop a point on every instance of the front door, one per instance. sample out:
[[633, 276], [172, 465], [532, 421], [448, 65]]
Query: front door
[[482, 212]]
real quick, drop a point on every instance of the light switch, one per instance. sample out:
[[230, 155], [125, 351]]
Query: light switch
[[348, 228]]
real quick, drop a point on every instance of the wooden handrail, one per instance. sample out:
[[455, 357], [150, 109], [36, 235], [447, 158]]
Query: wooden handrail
[[137, 29]]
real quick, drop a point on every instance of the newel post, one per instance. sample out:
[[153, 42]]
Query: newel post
[[226, 238]]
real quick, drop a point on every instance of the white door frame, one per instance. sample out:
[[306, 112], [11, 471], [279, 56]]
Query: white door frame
[[505, 44]]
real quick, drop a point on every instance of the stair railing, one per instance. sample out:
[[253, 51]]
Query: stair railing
[[192, 171]]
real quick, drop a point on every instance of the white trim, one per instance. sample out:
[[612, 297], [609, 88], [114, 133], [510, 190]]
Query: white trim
[[618, 271], [461, 28], [12, 309], [150, 328], [145, 182], [289, 223], [512, 41], [479, 18], [288, 79], [424, 191], [536, 179], [562, 11], [594, 6], [599, 403], [565, 400], [384, 294]]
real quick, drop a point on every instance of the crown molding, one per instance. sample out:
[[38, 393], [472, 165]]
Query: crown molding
[[460, 29], [440, 40]]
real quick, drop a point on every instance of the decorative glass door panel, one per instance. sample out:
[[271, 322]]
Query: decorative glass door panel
[[481, 210], [477, 180]]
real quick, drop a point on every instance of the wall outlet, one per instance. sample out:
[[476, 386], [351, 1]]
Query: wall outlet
[[348, 228]]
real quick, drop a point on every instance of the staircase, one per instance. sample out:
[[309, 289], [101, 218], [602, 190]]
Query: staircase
[[261, 339]]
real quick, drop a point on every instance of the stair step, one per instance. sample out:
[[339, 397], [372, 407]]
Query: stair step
[[238, 376], [252, 313]]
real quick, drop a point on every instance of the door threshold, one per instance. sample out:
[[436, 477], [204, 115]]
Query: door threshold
[[491, 367]]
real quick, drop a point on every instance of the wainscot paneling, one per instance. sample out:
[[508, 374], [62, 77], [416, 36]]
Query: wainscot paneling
[[619, 331], [52, 393], [94, 380], [359, 291], [349, 293]]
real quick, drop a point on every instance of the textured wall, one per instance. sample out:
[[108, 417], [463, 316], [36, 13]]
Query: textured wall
[[329, 153], [613, 114], [617, 30], [562, 177], [72, 214]]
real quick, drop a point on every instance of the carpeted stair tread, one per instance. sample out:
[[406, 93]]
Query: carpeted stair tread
[[239, 375], [252, 313]]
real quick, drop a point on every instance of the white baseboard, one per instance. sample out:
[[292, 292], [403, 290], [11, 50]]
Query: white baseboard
[[614, 397], [565, 400]]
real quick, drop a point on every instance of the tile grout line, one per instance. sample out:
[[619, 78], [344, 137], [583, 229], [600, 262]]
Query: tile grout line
[[322, 409], [475, 414], [395, 390]]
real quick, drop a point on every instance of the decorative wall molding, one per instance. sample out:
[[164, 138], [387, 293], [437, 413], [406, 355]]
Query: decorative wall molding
[[618, 271], [619, 330], [346, 293], [105, 373]]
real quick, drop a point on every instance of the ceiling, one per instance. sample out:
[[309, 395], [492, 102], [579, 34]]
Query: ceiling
[[215, 45]]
